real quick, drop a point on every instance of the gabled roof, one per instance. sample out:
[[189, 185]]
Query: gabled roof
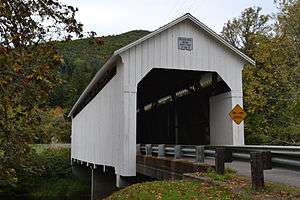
[[197, 23], [116, 55]]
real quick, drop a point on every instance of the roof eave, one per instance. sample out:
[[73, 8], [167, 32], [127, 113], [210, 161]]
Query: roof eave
[[223, 41], [96, 78]]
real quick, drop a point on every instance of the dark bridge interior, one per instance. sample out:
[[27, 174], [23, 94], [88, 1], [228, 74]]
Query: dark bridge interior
[[173, 106]]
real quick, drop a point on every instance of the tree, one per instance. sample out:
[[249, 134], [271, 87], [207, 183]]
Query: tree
[[288, 29], [271, 95], [28, 71], [244, 31], [53, 127], [288, 23]]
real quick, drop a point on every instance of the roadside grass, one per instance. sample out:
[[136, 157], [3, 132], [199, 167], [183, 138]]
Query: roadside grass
[[228, 175], [221, 187], [172, 190], [242, 186], [273, 191]]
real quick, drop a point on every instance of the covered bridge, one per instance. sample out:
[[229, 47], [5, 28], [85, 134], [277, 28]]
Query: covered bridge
[[176, 85]]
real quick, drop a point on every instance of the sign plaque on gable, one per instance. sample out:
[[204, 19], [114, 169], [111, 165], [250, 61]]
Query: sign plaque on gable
[[237, 114], [185, 43]]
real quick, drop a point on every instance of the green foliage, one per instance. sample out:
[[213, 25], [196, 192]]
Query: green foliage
[[63, 188], [271, 88], [82, 59], [39, 77], [28, 72], [50, 178], [228, 175], [56, 181], [53, 127], [242, 32], [55, 162]]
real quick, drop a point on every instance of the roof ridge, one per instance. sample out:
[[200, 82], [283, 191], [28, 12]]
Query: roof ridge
[[195, 21]]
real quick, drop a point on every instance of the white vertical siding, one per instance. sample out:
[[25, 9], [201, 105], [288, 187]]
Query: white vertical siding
[[219, 121], [96, 129], [161, 51], [223, 131], [238, 130]]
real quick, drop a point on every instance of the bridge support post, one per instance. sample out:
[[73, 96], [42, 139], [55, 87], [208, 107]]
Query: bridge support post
[[120, 181], [138, 149], [177, 151], [161, 150], [220, 160], [257, 171], [92, 183], [200, 154], [148, 150]]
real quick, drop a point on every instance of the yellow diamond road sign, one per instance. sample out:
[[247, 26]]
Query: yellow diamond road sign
[[237, 114]]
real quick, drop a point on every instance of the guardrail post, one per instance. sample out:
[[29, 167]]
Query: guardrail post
[[161, 150], [148, 150], [228, 156], [220, 160], [267, 160], [177, 151], [257, 172], [200, 154], [138, 149]]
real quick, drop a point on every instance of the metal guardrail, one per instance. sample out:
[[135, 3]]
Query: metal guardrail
[[283, 156]]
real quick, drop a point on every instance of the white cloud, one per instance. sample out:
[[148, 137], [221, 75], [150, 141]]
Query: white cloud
[[115, 16]]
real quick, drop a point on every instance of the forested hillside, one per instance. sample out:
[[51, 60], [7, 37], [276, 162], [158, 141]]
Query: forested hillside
[[82, 58]]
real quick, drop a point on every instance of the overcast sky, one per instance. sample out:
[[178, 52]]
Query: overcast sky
[[107, 17]]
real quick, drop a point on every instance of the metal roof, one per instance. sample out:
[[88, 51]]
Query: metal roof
[[116, 55]]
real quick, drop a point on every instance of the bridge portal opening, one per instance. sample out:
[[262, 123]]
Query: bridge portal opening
[[173, 106]]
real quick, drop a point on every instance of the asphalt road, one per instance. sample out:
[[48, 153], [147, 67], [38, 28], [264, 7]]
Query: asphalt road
[[277, 175]]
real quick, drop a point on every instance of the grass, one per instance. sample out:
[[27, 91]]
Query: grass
[[228, 175], [273, 191], [242, 187], [172, 190], [221, 187]]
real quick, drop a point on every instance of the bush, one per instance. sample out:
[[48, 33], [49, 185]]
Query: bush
[[55, 162], [48, 177], [56, 180], [60, 188]]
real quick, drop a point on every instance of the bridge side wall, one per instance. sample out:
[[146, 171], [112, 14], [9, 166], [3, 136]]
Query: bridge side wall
[[97, 129]]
